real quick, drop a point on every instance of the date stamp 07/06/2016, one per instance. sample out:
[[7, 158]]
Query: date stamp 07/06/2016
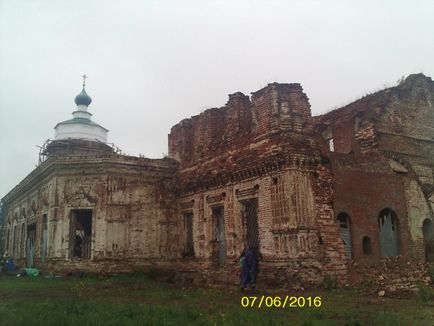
[[280, 302]]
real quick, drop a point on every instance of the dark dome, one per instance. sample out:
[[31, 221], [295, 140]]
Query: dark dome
[[83, 98]]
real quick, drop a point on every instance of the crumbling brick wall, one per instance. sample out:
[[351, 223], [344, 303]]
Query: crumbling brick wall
[[384, 158], [273, 109], [268, 153]]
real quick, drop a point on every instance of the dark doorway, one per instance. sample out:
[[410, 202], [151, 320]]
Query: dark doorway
[[367, 246], [188, 235], [428, 239], [30, 244], [345, 231], [219, 233], [389, 236], [81, 233], [251, 220]]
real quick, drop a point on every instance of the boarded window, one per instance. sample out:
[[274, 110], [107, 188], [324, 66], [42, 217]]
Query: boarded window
[[116, 235], [345, 231], [188, 235], [389, 235], [367, 246]]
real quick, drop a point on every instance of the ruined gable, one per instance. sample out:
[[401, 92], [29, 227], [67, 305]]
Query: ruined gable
[[383, 159]]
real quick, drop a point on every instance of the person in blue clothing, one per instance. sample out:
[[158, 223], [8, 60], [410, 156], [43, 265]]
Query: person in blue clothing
[[244, 271], [249, 264], [9, 262]]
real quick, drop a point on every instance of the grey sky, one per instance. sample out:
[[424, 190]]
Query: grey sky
[[152, 63]]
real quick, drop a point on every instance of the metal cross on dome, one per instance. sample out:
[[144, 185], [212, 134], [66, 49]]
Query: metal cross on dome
[[84, 79]]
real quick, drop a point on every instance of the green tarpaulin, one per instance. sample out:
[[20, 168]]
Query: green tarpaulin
[[32, 271]]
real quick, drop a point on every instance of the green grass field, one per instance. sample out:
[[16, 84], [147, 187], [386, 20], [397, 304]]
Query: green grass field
[[138, 300]]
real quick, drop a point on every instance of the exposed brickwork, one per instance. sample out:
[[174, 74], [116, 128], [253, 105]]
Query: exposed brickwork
[[275, 160], [384, 158], [394, 276], [273, 109], [266, 165]]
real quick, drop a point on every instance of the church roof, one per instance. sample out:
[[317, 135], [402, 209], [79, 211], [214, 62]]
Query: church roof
[[80, 121]]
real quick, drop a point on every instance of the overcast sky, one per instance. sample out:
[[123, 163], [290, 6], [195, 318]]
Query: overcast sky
[[152, 63]]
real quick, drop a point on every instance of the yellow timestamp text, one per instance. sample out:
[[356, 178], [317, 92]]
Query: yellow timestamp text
[[280, 302]]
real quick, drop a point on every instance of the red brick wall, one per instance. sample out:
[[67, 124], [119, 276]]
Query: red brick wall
[[276, 107], [265, 150], [343, 136], [393, 124], [363, 190], [294, 211]]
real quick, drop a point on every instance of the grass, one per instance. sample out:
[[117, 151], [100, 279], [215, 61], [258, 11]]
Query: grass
[[140, 300]]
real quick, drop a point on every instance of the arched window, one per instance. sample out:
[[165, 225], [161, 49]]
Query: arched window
[[367, 247], [345, 231], [389, 233], [327, 135]]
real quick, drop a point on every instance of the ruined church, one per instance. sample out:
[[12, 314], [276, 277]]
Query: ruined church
[[313, 193]]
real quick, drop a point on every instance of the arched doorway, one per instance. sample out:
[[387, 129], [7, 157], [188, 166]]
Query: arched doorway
[[345, 231], [388, 233], [428, 239]]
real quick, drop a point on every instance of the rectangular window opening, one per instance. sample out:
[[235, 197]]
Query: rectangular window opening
[[81, 233], [23, 241], [44, 238], [219, 234], [188, 234], [30, 244], [251, 222]]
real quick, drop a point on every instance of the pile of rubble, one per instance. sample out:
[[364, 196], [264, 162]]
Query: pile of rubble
[[392, 277]]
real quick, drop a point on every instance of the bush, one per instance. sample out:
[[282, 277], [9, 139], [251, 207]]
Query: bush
[[431, 273], [330, 282], [426, 293], [366, 285], [151, 273], [354, 319]]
